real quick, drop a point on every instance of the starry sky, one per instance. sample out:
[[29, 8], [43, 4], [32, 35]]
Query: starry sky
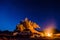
[[39, 11]]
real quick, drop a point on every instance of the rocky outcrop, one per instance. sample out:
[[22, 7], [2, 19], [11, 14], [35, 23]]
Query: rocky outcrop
[[28, 27]]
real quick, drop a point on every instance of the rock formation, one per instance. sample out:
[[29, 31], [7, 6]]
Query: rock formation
[[28, 26]]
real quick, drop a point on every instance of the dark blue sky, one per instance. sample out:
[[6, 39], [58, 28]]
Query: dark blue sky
[[13, 11]]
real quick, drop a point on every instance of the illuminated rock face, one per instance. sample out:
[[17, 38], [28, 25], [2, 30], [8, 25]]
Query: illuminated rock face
[[27, 25]]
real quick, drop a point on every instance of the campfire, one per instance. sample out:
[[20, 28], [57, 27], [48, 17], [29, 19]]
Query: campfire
[[48, 32]]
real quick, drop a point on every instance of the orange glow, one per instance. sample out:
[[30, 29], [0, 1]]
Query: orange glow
[[48, 32]]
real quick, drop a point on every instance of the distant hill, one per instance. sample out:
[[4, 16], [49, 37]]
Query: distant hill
[[57, 31]]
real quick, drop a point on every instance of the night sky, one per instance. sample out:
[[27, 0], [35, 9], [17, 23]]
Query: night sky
[[39, 11]]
